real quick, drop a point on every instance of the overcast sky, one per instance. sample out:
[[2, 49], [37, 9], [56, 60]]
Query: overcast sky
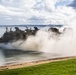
[[37, 12]]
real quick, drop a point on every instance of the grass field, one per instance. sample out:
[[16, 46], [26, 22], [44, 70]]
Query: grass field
[[66, 67]]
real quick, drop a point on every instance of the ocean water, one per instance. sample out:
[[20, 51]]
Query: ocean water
[[13, 56]]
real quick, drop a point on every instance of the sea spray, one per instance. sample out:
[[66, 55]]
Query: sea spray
[[49, 42], [36, 42]]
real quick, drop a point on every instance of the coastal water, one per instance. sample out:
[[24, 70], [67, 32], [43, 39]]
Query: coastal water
[[9, 55]]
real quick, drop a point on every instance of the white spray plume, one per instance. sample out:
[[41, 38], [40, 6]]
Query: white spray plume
[[45, 41]]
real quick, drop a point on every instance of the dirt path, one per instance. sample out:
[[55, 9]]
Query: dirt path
[[14, 66]]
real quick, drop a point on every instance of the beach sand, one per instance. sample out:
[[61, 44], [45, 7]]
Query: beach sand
[[20, 65]]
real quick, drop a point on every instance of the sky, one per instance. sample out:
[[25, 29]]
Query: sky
[[16, 12]]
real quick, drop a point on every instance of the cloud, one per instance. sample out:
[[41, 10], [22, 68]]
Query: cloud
[[73, 4], [7, 11], [37, 11], [62, 15]]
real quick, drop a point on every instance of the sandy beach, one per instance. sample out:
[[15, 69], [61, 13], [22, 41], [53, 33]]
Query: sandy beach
[[20, 65]]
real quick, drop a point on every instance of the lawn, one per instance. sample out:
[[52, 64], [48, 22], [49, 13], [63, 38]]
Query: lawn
[[66, 67]]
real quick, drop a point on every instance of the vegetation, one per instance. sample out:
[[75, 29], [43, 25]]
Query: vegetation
[[67, 67]]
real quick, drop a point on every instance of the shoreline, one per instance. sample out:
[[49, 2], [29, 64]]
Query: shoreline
[[27, 64]]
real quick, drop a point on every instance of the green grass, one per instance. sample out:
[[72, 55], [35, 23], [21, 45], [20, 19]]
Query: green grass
[[67, 67]]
